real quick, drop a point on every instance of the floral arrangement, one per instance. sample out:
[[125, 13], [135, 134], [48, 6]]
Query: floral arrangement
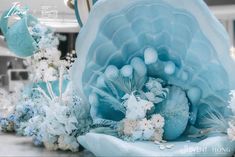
[[7, 123], [56, 120], [30, 106], [136, 126], [60, 131], [138, 103], [44, 36], [219, 124], [35, 113], [47, 127], [143, 129], [46, 64], [27, 106], [7, 116]]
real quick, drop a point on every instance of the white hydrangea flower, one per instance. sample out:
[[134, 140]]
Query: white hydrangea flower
[[147, 129], [155, 86], [7, 105], [50, 74], [42, 65], [145, 124], [157, 135], [53, 54], [137, 107], [51, 146], [129, 126], [66, 142], [144, 129], [47, 57]]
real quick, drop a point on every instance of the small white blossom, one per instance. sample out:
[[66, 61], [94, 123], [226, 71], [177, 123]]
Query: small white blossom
[[137, 107], [51, 146], [157, 135], [68, 143], [147, 129], [143, 129], [52, 54], [50, 74], [157, 121], [129, 126]]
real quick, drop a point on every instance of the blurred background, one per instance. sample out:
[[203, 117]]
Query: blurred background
[[55, 14]]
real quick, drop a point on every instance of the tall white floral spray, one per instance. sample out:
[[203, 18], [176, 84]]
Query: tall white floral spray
[[52, 112], [56, 131]]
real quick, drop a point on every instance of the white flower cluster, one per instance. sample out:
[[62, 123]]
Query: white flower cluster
[[136, 107], [155, 92], [144, 129], [58, 128], [45, 65], [61, 121], [135, 126], [7, 105], [43, 36], [60, 131]]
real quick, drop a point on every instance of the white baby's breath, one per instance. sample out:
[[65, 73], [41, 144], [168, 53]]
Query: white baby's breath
[[143, 129], [137, 107], [157, 121], [129, 126]]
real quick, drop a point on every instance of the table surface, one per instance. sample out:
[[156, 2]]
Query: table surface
[[12, 145]]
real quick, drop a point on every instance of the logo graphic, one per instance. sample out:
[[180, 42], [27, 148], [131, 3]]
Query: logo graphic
[[16, 9]]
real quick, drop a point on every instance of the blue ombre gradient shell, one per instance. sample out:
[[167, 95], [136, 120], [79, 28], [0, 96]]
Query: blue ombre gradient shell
[[182, 31], [186, 34]]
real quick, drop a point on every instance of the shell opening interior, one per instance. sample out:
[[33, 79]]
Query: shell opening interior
[[145, 41]]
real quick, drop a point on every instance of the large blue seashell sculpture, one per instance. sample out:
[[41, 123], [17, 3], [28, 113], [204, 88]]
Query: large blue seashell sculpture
[[126, 42]]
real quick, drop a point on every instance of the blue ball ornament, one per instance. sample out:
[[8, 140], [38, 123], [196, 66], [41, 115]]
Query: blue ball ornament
[[111, 72], [127, 71], [150, 56], [175, 110]]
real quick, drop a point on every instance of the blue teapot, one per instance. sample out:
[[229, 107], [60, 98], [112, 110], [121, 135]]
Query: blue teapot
[[17, 36]]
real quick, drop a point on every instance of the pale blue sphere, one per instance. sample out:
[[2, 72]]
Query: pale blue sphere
[[150, 56], [139, 66], [175, 110], [111, 72], [127, 71]]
